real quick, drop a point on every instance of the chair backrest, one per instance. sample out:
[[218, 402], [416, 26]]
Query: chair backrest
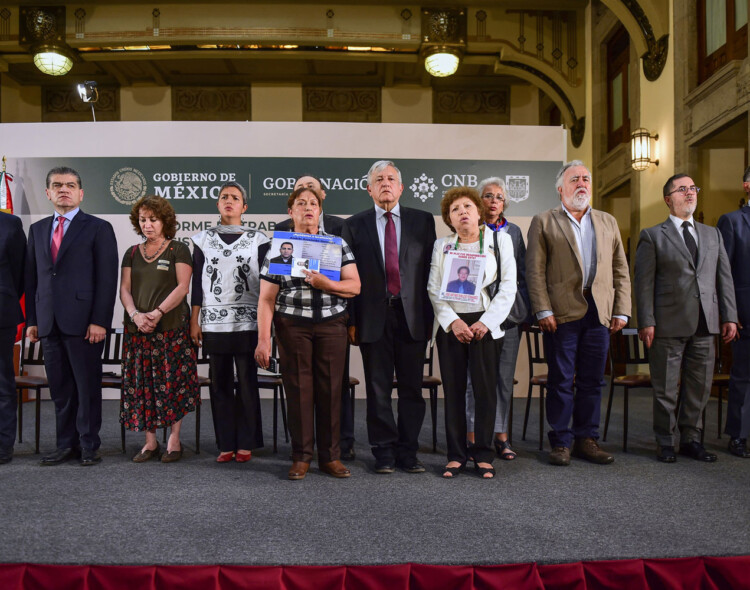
[[31, 354], [626, 348], [722, 356], [534, 346], [112, 353], [429, 357]]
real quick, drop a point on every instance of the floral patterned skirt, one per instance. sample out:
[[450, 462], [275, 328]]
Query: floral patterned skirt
[[160, 379]]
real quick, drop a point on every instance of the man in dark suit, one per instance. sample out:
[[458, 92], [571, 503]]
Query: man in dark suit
[[735, 229], [71, 282], [392, 316], [332, 225], [328, 223], [683, 286], [462, 284], [12, 252]]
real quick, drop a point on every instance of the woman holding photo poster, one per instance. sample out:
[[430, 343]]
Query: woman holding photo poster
[[467, 323], [309, 314], [226, 262]]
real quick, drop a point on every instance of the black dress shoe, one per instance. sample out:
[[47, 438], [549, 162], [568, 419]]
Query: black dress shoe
[[411, 465], [738, 448], [385, 466], [695, 450], [348, 454], [666, 454], [90, 457], [6, 456], [60, 456]]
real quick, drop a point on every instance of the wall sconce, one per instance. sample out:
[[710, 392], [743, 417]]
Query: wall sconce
[[642, 148], [443, 40], [42, 32], [89, 94]]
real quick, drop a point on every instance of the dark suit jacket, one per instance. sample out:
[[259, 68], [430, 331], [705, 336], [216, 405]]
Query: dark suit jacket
[[279, 260], [12, 254], [670, 290], [522, 305], [735, 229], [333, 225], [415, 252], [80, 288], [455, 286]]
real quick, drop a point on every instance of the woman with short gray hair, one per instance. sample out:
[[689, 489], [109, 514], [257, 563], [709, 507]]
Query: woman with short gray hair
[[493, 194]]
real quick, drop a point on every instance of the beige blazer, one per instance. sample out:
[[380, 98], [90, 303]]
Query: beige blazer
[[496, 310], [554, 268]]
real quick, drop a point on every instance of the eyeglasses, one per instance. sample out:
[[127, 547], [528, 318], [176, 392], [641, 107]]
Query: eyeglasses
[[683, 190], [498, 197]]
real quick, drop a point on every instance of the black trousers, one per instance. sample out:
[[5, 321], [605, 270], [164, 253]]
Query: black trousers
[[395, 350], [480, 360], [236, 411], [74, 372], [8, 395]]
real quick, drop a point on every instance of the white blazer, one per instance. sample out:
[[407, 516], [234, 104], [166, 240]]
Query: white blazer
[[496, 309]]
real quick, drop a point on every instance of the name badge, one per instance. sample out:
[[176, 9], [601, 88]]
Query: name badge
[[162, 265]]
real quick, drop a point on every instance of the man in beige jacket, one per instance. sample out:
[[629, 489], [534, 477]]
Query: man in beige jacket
[[579, 286]]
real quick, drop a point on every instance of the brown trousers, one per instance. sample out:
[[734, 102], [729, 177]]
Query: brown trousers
[[312, 367]]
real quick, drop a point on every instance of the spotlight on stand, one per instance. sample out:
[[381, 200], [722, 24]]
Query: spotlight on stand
[[89, 93]]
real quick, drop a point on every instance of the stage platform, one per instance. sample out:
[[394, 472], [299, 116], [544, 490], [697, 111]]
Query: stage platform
[[198, 512]]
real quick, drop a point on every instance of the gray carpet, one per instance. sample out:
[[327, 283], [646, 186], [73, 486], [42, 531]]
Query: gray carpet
[[199, 512]]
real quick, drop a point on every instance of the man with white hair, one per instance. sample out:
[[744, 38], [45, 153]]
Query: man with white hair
[[579, 287], [392, 315]]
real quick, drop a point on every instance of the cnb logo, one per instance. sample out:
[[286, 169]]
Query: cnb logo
[[127, 185]]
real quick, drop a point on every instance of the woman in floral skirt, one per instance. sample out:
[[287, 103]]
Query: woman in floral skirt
[[160, 383]]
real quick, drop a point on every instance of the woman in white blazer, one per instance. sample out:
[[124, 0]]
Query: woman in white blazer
[[467, 322]]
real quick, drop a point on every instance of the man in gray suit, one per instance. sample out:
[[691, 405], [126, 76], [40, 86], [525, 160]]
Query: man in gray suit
[[683, 286]]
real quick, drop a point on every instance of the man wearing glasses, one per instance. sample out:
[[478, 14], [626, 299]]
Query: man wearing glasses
[[684, 289]]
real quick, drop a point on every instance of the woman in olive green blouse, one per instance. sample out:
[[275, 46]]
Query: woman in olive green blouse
[[160, 382]]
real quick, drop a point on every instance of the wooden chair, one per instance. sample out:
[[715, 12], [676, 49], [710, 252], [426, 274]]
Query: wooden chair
[[112, 358], [31, 356], [721, 382], [430, 383], [535, 350], [625, 349], [272, 381]]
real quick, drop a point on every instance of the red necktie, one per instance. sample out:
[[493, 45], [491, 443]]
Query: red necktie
[[57, 238], [392, 277]]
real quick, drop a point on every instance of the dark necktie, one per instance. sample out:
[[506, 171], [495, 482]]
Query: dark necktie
[[57, 238], [392, 277], [690, 242]]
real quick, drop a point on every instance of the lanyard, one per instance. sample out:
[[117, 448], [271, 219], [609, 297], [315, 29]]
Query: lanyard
[[481, 241]]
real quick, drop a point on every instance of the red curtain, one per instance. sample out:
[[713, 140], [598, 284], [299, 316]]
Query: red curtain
[[699, 573]]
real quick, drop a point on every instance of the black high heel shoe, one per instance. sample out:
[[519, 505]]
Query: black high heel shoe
[[454, 471], [482, 471]]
